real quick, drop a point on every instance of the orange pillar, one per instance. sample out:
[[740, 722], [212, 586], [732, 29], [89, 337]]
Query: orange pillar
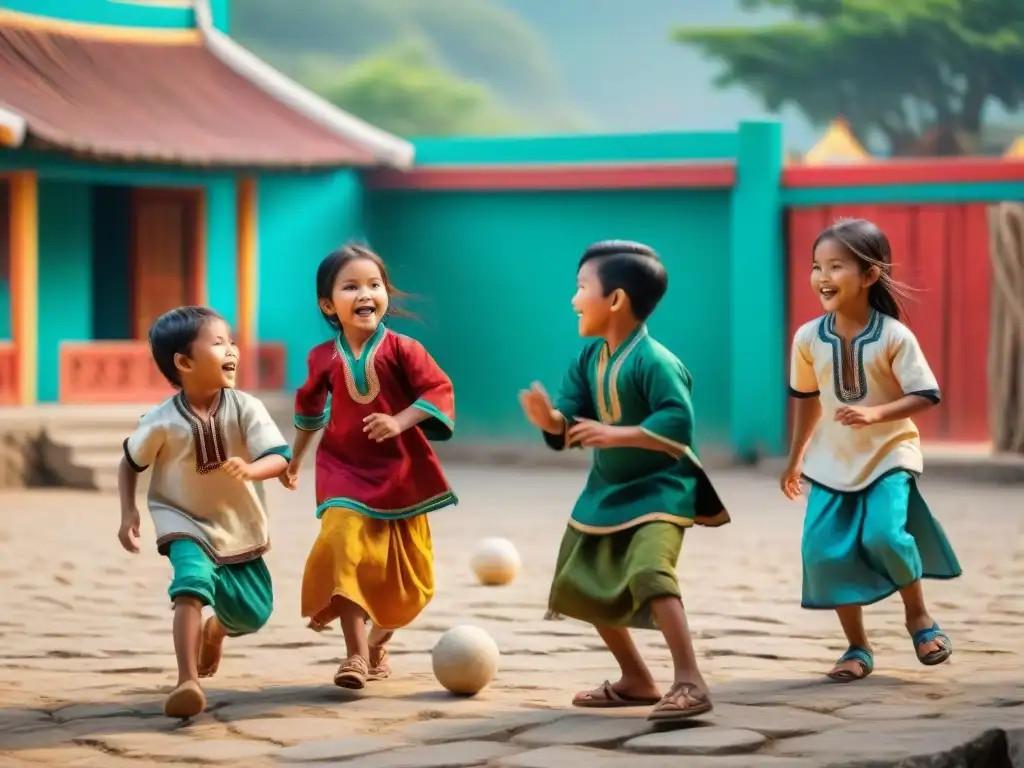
[[248, 277], [24, 213]]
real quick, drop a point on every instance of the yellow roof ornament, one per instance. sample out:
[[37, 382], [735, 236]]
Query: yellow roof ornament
[[838, 145], [1016, 149]]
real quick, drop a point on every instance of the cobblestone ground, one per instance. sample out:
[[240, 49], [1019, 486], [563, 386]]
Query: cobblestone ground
[[85, 649]]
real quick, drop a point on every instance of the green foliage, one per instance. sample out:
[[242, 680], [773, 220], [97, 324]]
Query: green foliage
[[403, 91], [891, 67], [476, 39]]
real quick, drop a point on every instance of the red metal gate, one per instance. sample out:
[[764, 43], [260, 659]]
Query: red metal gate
[[942, 252]]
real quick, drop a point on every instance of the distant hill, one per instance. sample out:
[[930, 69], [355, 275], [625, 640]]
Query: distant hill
[[592, 65]]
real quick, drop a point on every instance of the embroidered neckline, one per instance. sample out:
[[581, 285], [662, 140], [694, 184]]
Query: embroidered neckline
[[850, 391], [207, 434], [361, 378], [609, 408]]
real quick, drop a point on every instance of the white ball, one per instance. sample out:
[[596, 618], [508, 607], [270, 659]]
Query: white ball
[[496, 562], [465, 660]]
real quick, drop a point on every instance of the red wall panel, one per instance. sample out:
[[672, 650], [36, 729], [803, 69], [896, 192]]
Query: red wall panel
[[941, 253]]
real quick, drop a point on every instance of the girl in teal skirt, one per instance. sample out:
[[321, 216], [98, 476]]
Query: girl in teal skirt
[[858, 375]]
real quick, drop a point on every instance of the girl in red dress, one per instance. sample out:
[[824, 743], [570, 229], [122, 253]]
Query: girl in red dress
[[379, 397]]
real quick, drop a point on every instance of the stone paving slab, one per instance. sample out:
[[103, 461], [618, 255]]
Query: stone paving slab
[[86, 654]]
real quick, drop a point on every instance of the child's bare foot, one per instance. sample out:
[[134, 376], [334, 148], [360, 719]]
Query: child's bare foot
[[187, 700], [211, 647], [623, 693]]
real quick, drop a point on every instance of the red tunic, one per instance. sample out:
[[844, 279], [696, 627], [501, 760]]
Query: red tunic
[[394, 479]]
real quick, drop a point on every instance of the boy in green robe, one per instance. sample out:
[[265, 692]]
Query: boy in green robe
[[628, 398]]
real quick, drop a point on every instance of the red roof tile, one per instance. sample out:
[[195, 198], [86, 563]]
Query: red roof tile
[[161, 103]]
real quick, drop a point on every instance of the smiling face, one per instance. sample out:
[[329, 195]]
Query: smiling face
[[838, 277], [359, 298], [592, 307], [212, 359]]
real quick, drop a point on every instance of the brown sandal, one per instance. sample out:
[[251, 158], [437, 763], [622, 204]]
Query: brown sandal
[[676, 704], [380, 668], [352, 673], [210, 652], [606, 697]]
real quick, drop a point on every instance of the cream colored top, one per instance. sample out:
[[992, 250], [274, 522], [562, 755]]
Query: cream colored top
[[189, 498], [888, 364]]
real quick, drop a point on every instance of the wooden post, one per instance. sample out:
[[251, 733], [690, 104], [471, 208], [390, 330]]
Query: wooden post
[[24, 213], [248, 278]]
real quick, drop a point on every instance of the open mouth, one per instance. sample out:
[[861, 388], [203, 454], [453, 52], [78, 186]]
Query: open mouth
[[828, 293], [366, 311], [229, 367]]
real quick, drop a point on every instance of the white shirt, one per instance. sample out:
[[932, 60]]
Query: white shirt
[[189, 496], [888, 364]]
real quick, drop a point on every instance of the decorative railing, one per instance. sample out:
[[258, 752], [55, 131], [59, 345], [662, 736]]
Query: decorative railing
[[9, 383], [124, 372]]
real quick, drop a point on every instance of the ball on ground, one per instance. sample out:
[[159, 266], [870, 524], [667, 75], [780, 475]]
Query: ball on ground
[[496, 562], [465, 660]]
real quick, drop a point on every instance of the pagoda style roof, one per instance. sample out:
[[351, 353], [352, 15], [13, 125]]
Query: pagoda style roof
[[838, 145], [184, 97]]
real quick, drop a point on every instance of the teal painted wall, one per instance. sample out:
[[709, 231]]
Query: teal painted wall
[[65, 276], [61, 168], [111, 252], [222, 248], [495, 273], [301, 220], [118, 13], [598, 148], [221, 12], [897, 194], [758, 322]]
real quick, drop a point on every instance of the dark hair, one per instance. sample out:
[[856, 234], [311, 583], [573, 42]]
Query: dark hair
[[870, 247], [632, 267], [334, 262], [173, 333]]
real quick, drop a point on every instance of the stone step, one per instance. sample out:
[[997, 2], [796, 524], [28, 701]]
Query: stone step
[[87, 455]]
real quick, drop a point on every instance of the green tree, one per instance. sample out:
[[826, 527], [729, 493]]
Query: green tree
[[476, 39], [403, 91], [892, 68]]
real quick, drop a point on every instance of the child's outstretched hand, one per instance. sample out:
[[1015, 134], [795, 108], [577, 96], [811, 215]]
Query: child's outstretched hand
[[538, 409], [290, 477], [128, 534], [790, 482]]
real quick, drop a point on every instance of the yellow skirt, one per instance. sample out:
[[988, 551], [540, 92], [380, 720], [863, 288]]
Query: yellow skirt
[[384, 566]]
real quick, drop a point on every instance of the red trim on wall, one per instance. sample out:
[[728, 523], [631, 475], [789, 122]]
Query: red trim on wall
[[716, 175], [910, 171]]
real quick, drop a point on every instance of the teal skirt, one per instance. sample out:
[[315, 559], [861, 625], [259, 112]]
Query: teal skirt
[[861, 547]]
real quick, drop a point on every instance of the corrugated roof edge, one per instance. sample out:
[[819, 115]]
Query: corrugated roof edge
[[391, 150]]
